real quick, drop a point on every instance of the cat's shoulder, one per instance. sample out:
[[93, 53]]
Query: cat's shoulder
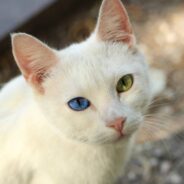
[[14, 84], [13, 93]]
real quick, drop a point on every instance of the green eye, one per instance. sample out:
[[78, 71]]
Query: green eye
[[125, 83]]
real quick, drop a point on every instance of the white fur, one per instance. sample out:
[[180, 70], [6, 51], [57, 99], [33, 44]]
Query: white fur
[[43, 145], [42, 141]]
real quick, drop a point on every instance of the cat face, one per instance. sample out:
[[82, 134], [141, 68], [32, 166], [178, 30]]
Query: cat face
[[96, 91], [92, 72]]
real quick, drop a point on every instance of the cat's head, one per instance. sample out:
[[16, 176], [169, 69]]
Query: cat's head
[[96, 91]]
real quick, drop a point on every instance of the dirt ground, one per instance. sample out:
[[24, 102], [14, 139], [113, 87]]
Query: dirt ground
[[159, 26]]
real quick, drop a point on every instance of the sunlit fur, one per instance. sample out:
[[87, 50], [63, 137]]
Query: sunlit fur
[[43, 141]]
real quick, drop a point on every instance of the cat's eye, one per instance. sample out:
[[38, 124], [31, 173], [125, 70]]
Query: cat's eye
[[79, 104], [125, 83]]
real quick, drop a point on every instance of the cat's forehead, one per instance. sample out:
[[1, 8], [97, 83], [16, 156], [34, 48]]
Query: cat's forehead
[[99, 56], [94, 67]]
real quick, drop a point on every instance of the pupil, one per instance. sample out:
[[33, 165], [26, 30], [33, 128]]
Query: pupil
[[79, 102], [123, 83]]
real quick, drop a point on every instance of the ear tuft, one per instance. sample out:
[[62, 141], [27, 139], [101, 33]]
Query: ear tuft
[[33, 58], [113, 23]]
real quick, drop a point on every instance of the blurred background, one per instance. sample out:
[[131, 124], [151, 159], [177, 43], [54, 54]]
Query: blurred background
[[159, 27]]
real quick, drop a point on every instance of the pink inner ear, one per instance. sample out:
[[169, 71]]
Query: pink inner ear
[[34, 58], [121, 13], [113, 23]]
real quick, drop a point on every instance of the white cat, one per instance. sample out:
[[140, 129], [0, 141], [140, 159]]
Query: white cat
[[75, 117]]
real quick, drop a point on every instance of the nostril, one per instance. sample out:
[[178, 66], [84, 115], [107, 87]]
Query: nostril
[[117, 124]]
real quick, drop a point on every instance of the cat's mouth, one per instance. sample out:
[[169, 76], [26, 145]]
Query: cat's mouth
[[126, 133], [123, 136]]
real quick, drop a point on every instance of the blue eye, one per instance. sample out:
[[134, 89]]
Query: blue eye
[[79, 104]]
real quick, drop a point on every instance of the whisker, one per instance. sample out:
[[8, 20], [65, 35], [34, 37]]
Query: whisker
[[149, 129]]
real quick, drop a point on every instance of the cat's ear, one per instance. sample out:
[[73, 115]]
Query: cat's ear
[[34, 58], [113, 23]]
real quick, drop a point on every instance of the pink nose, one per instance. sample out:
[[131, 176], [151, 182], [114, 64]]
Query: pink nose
[[117, 124]]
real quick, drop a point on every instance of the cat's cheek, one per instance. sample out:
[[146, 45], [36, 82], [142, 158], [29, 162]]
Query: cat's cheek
[[138, 100], [143, 102], [78, 125]]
